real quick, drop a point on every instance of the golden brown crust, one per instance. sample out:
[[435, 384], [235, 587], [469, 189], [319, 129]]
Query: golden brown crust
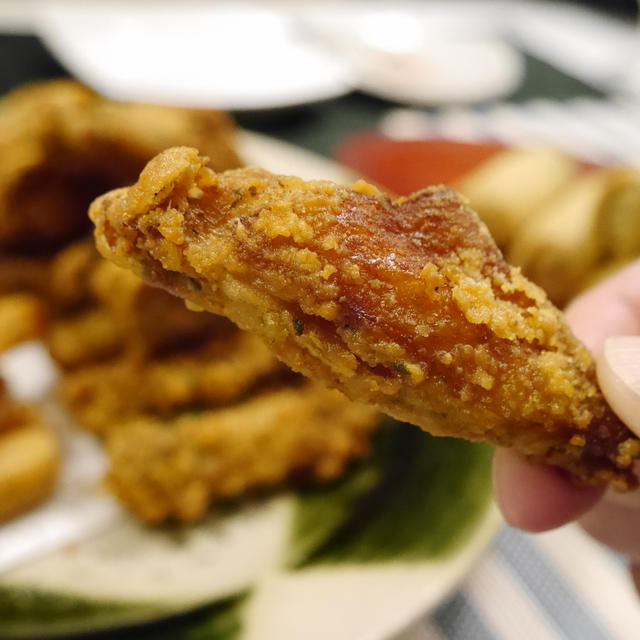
[[177, 470], [98, 310], [214, 374], [29, 457], [29, 462], [405, 304], [21, 318], [24, 274], [12, 414], [61, 145]]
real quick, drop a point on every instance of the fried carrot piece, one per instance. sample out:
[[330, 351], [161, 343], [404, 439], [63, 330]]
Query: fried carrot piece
[[405, 304]]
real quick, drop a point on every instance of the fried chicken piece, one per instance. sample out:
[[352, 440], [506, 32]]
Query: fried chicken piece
[[405, 304], [21, 318], [12, 414], [29, 462], [61, 145], [152, 321], [162, 470], [84, 338], [98, 310], [70, 278], [213, 374], [29, 458], [24, 274]]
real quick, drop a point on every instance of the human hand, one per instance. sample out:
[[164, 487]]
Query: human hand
[[536, 498]]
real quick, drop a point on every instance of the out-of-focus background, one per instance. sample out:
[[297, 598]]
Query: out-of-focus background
[[529, 108]]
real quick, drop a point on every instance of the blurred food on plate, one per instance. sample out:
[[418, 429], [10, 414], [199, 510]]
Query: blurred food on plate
[[408, 165], [164, 386], [29, 457], [21, 318], [62, 144], [190, 408], [177, 469], [557, 245], [184, 400], [97, 311], [566, 223], [511, 185]]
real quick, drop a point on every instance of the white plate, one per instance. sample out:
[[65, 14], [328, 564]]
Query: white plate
[[192, 54], [290, 565], [267, 55]]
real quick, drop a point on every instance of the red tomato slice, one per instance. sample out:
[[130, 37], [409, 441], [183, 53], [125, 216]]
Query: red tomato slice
[[404, 166]]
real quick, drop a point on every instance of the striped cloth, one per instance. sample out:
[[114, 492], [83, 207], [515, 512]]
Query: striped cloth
[[557, 585]]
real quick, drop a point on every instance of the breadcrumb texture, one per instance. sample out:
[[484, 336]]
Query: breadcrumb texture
[[97, 311], [21, 318], [190, 408], [178, 470], [29, 457], [405, 304], [61, 144]]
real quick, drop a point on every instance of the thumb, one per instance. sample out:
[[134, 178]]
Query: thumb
[[615, 520], [619, 378]]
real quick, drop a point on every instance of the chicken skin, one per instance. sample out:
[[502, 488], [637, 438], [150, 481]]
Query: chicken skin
[[406, 304]]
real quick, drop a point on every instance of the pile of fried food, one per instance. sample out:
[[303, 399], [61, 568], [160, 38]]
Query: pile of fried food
[[565, 223], [29, 457], [404, 306], [190, 408]]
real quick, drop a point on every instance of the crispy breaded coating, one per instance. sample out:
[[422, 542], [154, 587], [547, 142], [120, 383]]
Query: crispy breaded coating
[[21, 318], [152, 321], [406, 304], [29, 462], [98, 310], [84, 338], [24, 274], [161, 470], [29, 457], [61, 145], [213, 374], [12, 414]]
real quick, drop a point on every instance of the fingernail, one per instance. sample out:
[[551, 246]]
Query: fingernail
[[619, 378]]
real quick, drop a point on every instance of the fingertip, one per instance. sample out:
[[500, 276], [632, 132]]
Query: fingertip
[[618, 370], [537, 498]]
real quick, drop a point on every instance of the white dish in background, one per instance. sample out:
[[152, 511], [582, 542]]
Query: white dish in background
[[411, 57], [191, 54], [268, 55]]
